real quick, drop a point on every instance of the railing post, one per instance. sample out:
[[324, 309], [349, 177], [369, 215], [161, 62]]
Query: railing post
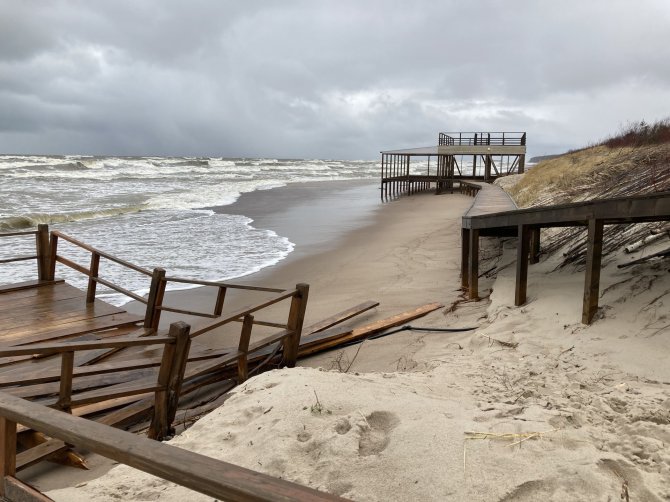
[[296, 317], [53, 252], [92, 284], [42, 248], [243, 349], [170, 378], [66, 373], [155, 299], [220, 298], [7, 451]]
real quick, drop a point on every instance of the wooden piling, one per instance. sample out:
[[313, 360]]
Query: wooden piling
[[535, 245], [522, 251], [473, 264], [594, 250], [465, 251]]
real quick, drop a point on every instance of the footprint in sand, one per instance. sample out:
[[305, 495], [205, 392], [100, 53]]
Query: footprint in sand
[[376, 433]]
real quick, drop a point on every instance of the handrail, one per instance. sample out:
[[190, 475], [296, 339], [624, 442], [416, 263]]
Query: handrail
[[212, 477], [103, 254]]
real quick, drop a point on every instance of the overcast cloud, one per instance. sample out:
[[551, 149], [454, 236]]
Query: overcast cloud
[[325, 79]]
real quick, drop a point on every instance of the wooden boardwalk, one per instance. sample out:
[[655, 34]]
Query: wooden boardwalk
[[486, 218]]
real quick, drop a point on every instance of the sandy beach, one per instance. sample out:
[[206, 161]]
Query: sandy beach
[[532, 405]]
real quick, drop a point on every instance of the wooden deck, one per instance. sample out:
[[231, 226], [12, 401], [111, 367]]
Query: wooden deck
[[488, 199], [41, 311]]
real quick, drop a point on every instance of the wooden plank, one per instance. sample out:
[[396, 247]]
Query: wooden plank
[[212, 477], [594, 251], [522, 252], [54, 293], [40, 452], [58, 347], [340, 317], [51, 374], [43, 333], [6, 288], [324, 340], [34, 391]]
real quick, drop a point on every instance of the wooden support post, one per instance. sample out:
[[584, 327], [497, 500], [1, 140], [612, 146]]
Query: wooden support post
[[220, 298], [522, 163], [296, 317], [522, 251], [170, 377], [53, 252], [66, 372], [473, 265], [7, 451], [487, 168], [243, 348], [92, 284], [465, 251], [534, 245], [155, 299], [594, 251], [42, 247]]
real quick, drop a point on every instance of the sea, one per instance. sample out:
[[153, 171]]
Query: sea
[[151, 211]]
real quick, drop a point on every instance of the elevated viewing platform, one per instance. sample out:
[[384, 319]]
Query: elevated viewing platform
[[474, 156]]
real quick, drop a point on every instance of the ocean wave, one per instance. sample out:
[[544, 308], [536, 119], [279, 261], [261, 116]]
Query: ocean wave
[[30, 220]]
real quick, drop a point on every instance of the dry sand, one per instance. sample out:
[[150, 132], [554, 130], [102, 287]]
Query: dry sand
[[394, 427]]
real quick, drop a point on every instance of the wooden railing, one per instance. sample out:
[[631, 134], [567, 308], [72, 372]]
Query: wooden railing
[[41, 249], [482, 138], [215, 478]]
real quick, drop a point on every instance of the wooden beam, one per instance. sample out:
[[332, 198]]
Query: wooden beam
[[7, 449], [594, 251], [473, 265], [522, 251]]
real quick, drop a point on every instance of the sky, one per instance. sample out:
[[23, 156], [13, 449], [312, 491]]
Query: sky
[[340, 79]]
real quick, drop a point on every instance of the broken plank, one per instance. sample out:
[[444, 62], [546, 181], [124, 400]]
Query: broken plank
[[340, 317], [40, 452], [319, 342]]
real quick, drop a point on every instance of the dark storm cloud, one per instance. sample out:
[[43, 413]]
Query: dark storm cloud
[[323, 79]]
